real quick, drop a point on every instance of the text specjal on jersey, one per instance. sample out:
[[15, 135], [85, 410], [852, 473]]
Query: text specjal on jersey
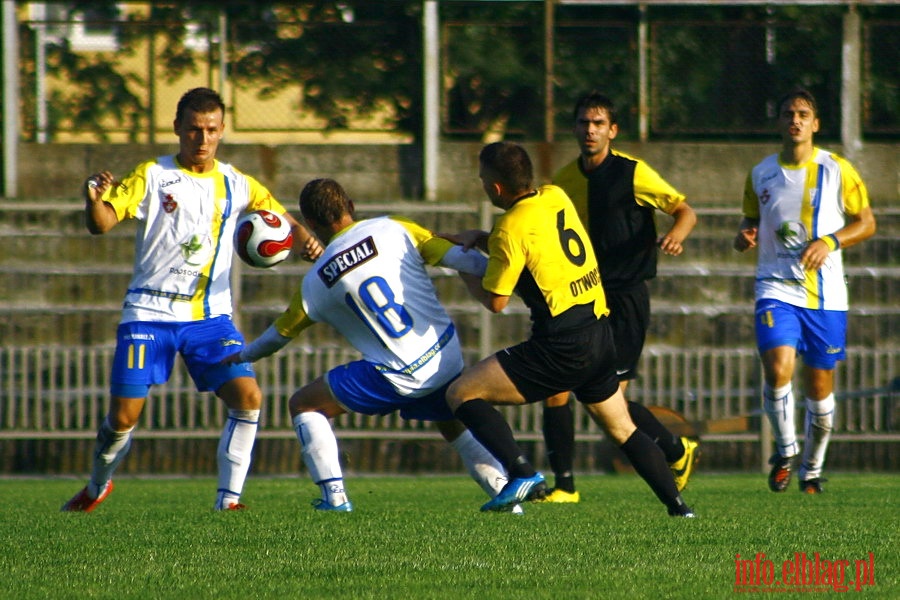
[[347, 260]]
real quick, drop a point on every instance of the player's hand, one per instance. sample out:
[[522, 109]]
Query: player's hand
[[745, 239], [96, 184], [670, 245], [471, 238], [232, 359], [311, 249], [815, 255]]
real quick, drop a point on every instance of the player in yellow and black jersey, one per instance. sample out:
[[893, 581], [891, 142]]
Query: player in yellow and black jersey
[[617, 197], [540, 249]]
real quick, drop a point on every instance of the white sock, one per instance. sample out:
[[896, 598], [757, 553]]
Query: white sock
[[319, 449], [779, 406], [819, 423], [111, 448], [481, 464], [234, 454]]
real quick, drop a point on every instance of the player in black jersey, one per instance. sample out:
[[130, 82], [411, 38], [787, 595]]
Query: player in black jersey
[[540, 250], [616, 196]]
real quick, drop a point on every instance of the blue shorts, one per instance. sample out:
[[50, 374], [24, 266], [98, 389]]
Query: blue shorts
[[820, 336], [360, 388], [145, 355]]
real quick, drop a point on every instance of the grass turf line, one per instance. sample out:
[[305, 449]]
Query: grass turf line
[[423, 537]]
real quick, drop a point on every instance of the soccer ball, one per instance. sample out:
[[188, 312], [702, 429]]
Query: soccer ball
[[263, 239]]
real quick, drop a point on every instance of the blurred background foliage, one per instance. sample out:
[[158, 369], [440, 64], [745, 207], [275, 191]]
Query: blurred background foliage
[[714, 71]]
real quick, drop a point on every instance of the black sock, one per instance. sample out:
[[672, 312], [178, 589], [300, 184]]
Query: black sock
[[656, 431], [491, 429], [650, 463], [559, 436]]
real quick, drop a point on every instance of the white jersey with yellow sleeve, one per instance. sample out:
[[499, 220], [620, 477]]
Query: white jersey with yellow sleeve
[[372, 286], [184, 240], [796, 204]]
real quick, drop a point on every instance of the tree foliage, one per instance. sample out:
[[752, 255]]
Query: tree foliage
[[713, 68]]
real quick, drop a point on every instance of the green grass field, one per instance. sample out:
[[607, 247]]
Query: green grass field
[[424, 537]]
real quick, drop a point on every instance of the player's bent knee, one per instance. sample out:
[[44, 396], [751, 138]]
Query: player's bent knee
[[557, 400], [241, 393], [450, 430]]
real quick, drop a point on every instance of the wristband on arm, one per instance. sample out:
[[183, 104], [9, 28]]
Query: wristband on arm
[[831, 241]]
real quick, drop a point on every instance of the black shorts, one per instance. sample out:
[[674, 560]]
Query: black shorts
[[581, 361], [629, 317]]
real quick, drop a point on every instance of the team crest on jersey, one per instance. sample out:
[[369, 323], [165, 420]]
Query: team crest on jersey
[[346, 260], [169, 204], [792, 234]]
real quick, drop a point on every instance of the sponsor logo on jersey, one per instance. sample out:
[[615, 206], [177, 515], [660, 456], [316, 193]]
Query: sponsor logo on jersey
[[197, 249], [792, 234], [346, 260]]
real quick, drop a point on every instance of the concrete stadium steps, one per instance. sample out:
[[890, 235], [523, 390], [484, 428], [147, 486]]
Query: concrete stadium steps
[[688, 325], [710, 242], [706, 249], [732, 325], [693, 283], [73, 285], [63, 285], [55, 232]]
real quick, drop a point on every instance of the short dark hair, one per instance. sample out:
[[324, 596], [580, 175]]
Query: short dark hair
[[324, 201], [508, 164], [799, 93], [595, 99], [199, 100]]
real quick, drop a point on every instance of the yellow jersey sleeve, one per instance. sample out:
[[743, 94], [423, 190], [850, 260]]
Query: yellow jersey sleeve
[[293, 320], [261, 198], [855, 195], [750, 206], [650, 189], [506, 260], [126, 197]]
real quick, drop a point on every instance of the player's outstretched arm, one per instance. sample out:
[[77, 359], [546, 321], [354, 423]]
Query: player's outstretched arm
[[308, 245], [465, 261], [265, 345], [684, 221], [99, 216], [468, 239]]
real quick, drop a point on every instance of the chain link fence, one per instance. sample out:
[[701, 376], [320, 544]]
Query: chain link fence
[[696, 72]]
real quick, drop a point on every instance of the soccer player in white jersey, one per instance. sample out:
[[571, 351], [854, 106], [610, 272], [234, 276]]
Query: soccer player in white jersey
[[179, 298], [372, 286], [801, 207]]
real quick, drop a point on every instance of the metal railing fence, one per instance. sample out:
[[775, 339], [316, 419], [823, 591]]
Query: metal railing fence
[[61, 392]]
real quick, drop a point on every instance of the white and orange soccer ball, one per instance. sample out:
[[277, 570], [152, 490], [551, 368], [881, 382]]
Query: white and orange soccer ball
[[263, 239]]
